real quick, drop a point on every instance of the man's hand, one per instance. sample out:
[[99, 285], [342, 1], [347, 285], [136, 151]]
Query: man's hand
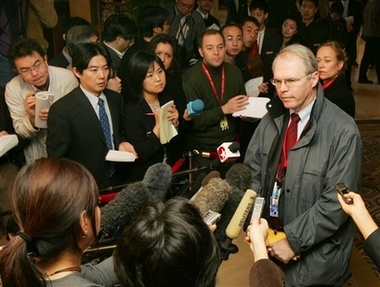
[[3, 133], [263, 88], [30, 105], [44, 114], [237, 103], [126, 146], [282, 251]]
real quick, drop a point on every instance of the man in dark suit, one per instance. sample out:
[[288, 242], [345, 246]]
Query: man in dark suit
[[204, 8], [236, 10], [63, 59], [353, 13], [76, 124], [311, 33], [119, 35]]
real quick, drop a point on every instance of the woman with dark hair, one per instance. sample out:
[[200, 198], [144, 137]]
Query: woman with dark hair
[[168, 244], [167, 49], [331, 66], [289, 30], [55, 204], [147, 80]]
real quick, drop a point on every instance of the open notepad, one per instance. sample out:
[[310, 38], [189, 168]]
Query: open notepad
[[167, 129], [256, 108], [7, 142]]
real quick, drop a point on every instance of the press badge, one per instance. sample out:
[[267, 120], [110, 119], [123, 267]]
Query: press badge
[[274, 199], [224, 124]]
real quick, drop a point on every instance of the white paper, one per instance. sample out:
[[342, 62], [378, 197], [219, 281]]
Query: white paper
[[167, 129], [43, 101], [252, 86], [120, 156], [255, 109], [7, 142]]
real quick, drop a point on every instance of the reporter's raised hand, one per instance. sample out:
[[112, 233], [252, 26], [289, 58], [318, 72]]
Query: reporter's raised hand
[[257, 233], [359, 213], [29, 106], [237, 103], [356, 208]]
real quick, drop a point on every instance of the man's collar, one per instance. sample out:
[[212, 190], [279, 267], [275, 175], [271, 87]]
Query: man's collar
[[204, 16]]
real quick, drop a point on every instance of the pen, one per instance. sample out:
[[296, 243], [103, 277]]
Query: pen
[[149, 114]]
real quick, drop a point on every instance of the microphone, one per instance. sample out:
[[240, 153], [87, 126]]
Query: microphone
[[213, 195], [204, 182], [237, 222], [195, 107], [239, 176], [227, 152], [120, 211]]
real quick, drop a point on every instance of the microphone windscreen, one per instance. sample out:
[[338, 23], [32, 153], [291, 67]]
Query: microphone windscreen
[[195, 107], [240, 176], [120, 211], [198, 105], [209, 176], [213, 195], [157, 179], [205, 181]]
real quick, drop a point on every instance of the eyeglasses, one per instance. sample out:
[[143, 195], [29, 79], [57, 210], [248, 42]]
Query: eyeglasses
[[287, 82], [35, 67]]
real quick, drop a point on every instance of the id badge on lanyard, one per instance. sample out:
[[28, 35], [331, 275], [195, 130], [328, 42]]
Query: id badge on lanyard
[[274, 200]]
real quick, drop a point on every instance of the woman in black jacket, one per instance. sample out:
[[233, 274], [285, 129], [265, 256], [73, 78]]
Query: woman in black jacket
[[147, 80], [331, 65]]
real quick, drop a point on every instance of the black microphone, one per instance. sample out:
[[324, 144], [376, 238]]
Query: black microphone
[[120, 211], [227, 152], [239, 177]]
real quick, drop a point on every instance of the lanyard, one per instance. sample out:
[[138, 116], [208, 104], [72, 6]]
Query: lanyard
[[219, 99]]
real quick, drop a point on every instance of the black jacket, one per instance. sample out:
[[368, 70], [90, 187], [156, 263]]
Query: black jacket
[[74, 132], [339, 93]]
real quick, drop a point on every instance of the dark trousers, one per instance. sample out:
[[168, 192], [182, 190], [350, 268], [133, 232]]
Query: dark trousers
[[371, 55]]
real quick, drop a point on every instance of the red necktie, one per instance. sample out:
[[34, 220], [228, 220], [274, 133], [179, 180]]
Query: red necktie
[[291, 133], [289, 141]]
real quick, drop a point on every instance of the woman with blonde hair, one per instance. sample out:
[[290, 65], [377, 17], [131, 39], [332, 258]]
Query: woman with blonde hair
[[331, 66]]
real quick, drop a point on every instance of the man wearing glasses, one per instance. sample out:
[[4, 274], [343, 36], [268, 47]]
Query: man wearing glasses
[[34, 75], [302, 147], [186, 25]]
